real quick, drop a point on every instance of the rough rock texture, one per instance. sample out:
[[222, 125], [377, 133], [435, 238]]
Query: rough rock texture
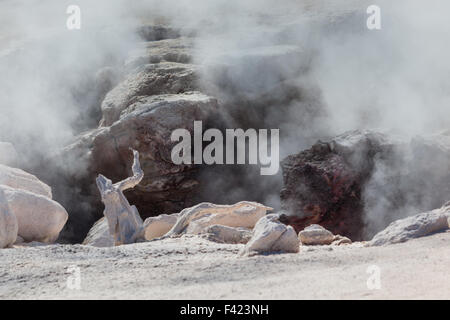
[[152, 79], [145, 126], [340, 240], [360, 181], [177, 50], [196, 219], [124, 221], [39, 218], [269, 235], [8, 223], [8, 154], [99, 235], [316, 235], [158, 226], [412, 227], [19, 179], [224, 234]]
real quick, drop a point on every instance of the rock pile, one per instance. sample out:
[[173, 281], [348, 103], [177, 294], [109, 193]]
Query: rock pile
[[27, 208], [221, 223]]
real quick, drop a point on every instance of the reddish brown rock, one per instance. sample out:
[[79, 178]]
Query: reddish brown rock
[[359, 182]]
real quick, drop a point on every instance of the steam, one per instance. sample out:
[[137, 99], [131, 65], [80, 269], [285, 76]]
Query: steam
[[310, 68], [48, 74]]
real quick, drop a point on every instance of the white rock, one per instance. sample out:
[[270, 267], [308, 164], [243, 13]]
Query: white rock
[[99, 235], [196, 219], [416, 226], [270, 235], [8, 154], [39, 218], [124, 221], [8, 223], [155, 227], [315, 235], [224, 234], [19, 179]]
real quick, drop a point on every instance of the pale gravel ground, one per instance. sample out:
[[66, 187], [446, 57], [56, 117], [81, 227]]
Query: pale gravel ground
[[194, 268]]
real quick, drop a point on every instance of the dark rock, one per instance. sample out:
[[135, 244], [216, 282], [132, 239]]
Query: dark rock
[[145, 126], [359, 182]]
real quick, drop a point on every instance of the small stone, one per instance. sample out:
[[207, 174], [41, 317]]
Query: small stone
[[341, 240], [316, 235], [8, 223], [270, 235], [224, 234]]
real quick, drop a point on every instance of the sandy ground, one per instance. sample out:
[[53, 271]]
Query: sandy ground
[[194, 268]]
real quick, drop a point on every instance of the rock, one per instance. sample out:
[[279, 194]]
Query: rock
[[196, 219], [8, 223], [19, 179], [99, 235], [224, 234], [155, 227], [39, 218], [316, 235], [152, 79], [124, 221], [168, 50], [420, 225], [360, 181], [340, 240], [158, 32], [146, 126], [269, 235], [8, 154]]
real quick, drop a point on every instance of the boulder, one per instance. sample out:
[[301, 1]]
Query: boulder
[[416, 226], [155, 227], [316, 235], [145, 126], [196, 219], [357, 183], [270, 235], [39, 218], [8, 223], [99, 235], [150, 80], [8, 154], [224, 234], [19, 179]]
